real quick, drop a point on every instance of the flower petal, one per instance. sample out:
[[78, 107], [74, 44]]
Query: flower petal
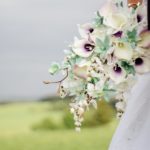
[[85, 29], [142, 67], [99, 33], [108, 8], [123, 51], [145, 39], [116, 21], [80, 72], [83, 48], [117, 76]]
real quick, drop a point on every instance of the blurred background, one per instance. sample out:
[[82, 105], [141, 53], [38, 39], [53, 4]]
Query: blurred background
[[34, 33]]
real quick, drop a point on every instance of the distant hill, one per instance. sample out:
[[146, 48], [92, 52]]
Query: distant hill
[[53, 98]]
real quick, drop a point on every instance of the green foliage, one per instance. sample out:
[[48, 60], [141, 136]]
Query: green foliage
[[103, 115], [127, 67], [105, 112], [55, 67], [132, 36], [94, 80], [98, 21], [95, 117], [102, 46], [68, 120], [16, 134], [119, 3], [46, 124], [108, 93]]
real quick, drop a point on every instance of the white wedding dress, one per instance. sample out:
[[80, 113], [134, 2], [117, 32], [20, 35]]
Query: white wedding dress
[[133, 132]]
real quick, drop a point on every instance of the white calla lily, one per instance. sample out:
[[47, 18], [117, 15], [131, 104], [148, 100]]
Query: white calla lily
[[117, 74], [98, 33], [107, 8], [112, 17], [142, 65], [144, 39], [116, 21], [123, 51], [85, 29], [83, 47], [141, 13]]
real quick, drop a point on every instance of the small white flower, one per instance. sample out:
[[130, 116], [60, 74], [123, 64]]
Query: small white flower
[[90, 87], [119, 115], [80, 111], [77, 123], [72, 110], [81, 119], [121, 106], [62, 91], [119, 96], [85, 104], [75, 117]]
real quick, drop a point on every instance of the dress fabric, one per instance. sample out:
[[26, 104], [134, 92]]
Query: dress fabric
[[133, 132]]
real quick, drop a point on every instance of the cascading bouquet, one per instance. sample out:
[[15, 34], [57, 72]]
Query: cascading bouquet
[[104, 62]]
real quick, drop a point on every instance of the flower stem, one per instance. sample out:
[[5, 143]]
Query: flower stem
[[59, 81]]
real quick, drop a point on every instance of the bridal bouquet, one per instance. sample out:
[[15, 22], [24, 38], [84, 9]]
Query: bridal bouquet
[[104, 61]]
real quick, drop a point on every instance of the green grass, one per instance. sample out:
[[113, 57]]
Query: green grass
[[16, 134]]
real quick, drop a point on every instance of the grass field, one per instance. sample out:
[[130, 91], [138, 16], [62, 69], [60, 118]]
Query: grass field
[[16, 120]]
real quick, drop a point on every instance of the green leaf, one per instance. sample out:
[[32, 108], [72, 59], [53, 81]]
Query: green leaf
[[119, 3], [55, 67], [106, 42], [94, 80], [108, 93], [102, 46], [98, 21], [99, 43], [132, 36], [127, 67]]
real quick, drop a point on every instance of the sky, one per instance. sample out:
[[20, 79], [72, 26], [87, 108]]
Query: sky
[[34, 33]]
